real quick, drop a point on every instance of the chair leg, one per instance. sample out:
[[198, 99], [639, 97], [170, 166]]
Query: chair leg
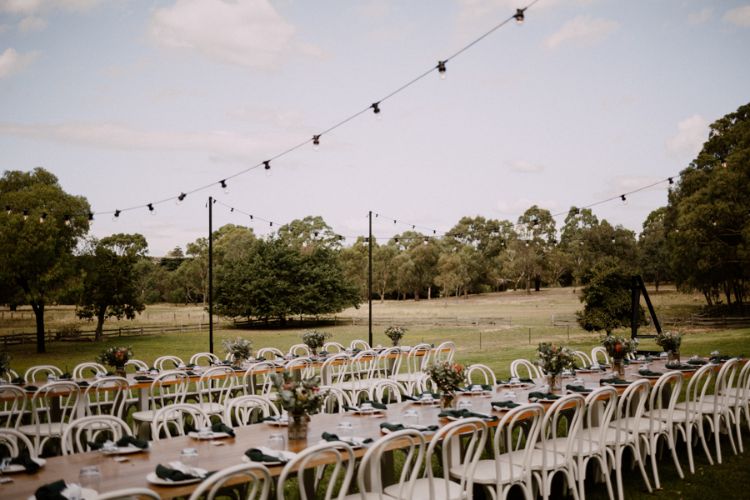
[[717, 437], [673, 449], [738, 430], [727, 417], [639, 459], [702, 435], [651, 451], [618, 473]]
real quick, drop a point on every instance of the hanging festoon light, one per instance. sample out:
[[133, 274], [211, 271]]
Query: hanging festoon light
[[8, 209], [180, 198], [66, 220], [518, 16], [151, 209], [623, 198], [42, 217], [376, 109], [671, 181], [25, 214], [267, 167], [224, 186], [91, 216], [441, 69], [116, 215], [316, 142]]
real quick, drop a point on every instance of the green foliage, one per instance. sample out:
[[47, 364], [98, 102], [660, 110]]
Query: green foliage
[[239, 348], [315, 339], [554, 358], [607, 299], [298, 397], [110, 283], [395, 333], [653, 255], [669, 341], [115, 356], [447, 376], [618, 347], [37, 238]]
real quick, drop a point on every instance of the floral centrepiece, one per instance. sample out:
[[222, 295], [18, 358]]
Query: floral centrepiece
[[553, 359], [315, 339], [299, 398], [395, 333], [239, 348], [116, 356], [669, 341], [619, 347], [448, 377]]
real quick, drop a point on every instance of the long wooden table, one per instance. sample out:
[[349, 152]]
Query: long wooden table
[[132, 473]]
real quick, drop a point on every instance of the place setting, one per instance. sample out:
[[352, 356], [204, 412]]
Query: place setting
[[216, 431], [273, 454], [178, 472]]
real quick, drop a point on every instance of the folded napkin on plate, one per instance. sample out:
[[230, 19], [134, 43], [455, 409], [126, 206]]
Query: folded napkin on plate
[[399, 427], [613, 380], [719, 359], [177, 471], [275, 418], [697, 362], [542, 395], [464, 413], [504, 405], [417, 398], [51, 491], [649, 373], [26, 461], [31, 388], [143, 378], [222, 427], [333, 437], [681, 366], [520, 380], [375, 405], [577, 388], [470, 388], [131, 440], [263, 454], [82, 383]]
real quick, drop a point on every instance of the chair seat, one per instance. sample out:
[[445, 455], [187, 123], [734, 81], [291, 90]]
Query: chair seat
[[704, 407], [538, 458], [678, 415], [610, 436], [211, 408], [486, 472], [53, 429], [367, 496], [422, 490], [583, 447], [641, 425]]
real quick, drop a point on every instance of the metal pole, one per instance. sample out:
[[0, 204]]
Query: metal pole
[[210, 275], [369, 283]]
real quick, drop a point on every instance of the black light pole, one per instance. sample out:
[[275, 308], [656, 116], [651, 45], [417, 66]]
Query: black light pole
[[369, 282], [210, 275]]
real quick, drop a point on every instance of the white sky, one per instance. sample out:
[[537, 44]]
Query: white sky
[[129, 102]]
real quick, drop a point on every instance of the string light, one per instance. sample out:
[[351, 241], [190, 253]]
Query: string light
[[151, 208], [441, 69], [25, 214], [671, 181], [224, 186], [117, 214], [8, 210], [316, 142], [180, 198], [91, 216], [66, 220], [623, 198], [518, 16], [375, 107], [43, 217]]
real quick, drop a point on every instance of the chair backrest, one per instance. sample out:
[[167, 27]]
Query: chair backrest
[[248, 409], [362, 365], [630, 407], [129, 494], [54, 403], [359, 344], [337, 454], [411, 443], [481, 374], [300, 350], [386, 391], [139, 365], [584, 361], [12, 405], [216, 384], [561, 420], [388, 363], [177, 419], [204, 359], [464, 459], [81, 432], [333, 347], [168, 363], [725, 380], [521, 422], [254, 477], [88, 369], [418, 358], [303, 366], [664, 395], [445, 352], [257, 378], [269, 353], [168, 387], [598, 411], [41, 373], [599, 355], [106, 396], [743, 385], [8, 376], [697, 390], [334, 369], [16, 443], [523, 368], [335, 400]]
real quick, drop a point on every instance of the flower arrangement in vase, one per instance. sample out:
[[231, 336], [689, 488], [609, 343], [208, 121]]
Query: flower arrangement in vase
[[299, 398], [395, 333], [240, 349], [617, 348], [315, 340], [670, 342], [448, 377], [116, 357], [553, 359]]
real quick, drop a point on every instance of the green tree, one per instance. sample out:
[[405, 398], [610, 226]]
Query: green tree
[[354, 261], [39, 230], [110, 283], [653, 255], [384, 269], [607, 298]]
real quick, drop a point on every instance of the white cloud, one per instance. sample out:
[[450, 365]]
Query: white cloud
[[739, 16], [249, 33], [582, 30], [29, 7], [692, 132], [514, 208], [524, 166], [31, 23], [701, 16], [12, 62]]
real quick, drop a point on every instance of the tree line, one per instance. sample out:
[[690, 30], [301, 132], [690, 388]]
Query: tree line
[[699, 240]]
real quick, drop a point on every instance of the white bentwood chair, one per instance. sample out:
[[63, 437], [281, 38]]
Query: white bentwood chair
[[255, 478], [337, 454]]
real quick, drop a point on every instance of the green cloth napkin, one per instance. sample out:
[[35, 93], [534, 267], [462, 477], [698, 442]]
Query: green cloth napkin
[[333, 437], [82, 383], [577, 388], [485, 387], [170, 474], [464, 413], [613, 380], [375, 405], [31, 388], [143, 378], [697, 362], [51, 491], [131, 440], [257, 455], [521, 380], [400, 427], [417, 398], [222, 427], [505, 405], [649, 373], [542, 395], [25, 460]]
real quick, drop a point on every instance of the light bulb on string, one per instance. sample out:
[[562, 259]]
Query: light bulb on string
[[441, 69], [519, 16], [151, 209], [267, 167], [180, 198], [66, 220], [376, 109], [25, 214], [8, 210], [224, 186], [624, 199], [316, 142], [116, 215], [42, 217], [671, 181], [91, 216]]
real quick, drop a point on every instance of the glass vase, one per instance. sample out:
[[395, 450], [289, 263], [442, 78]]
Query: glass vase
[[554, 381], [673, 357], [297, 429], [120, 371], [447, 400], [618, 367]]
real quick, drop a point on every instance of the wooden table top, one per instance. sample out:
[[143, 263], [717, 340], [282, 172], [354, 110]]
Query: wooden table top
[[132, 473]]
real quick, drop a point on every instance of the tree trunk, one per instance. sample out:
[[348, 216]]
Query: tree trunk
[[429, 292], [38, 308], [416, 295], [99, 323]]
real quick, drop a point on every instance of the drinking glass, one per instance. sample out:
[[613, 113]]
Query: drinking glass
[[90, 477], [277, 441], [189, 457]]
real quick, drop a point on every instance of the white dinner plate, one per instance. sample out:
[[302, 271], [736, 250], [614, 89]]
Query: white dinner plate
[[13, 468], [124, 450], [421, 428], [213, 435], [353, 441], [86, 494], [288, 455], [426, 402], [154, 479], [373, 411]]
